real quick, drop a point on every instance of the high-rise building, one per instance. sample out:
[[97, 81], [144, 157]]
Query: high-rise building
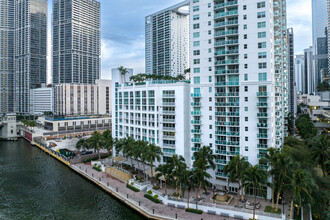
[[239, 76], [7, 55], [309, 71], [167, 40], [320, 44], [299, 69], [76, 41], [30, 50], [291, 74]]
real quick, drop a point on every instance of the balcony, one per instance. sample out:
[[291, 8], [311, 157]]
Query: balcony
[[223, 43], [168, 128], [167, 137], [196, 122], [225, 23], [262, 104], [226, 83], [196, 104], [262, 146], [262, 94], [168, 112], [168, 103], [262, 115], [196, 95], [196, 131], [227, 13], [225, 33], [226, 104], [194, 113], [225, 52], [221, 5], [196, 140], [166, 120], [169, 145], [221, 72], [262, 135], [262, 125], [221, 161]]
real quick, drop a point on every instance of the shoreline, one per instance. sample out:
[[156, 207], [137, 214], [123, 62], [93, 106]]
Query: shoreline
[[113, 193]]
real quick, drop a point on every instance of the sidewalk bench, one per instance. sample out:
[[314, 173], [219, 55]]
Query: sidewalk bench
[[224, 214], [181, 207], [238, 217], [170, 204], [211, 212]]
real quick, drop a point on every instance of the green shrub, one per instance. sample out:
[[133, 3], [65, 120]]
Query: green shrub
[[150, 197], [99, 166], [149, 192], [97, 169], [196, 211], [155, 187], [156, 196], [272, 210], [132, 188], [175, 194], [94, 158], [132, 183]]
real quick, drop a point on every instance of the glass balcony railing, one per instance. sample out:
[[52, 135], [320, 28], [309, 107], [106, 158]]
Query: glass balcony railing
[[196, 113], [222, 43], [262, 135], [225, 33], [225, 23], [262, 104], [262, 125], [196, 122], [262, 115], [226, 83], [221, 5], [196, 140], [227, 13], [262, 94], [196, 95], [220, 72]]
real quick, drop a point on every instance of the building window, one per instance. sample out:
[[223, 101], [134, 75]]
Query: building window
[[197, 52], [262, 76], [262, 45], [246, 118], [244, 7], [196, 34], [210, 68], [196, 43], [245, 36], [262, 24], [262, 55], [246, 99], [261, 14], [246, 109], [195, 8], [210, 99], [196, 17], [246, 88], [245, 46], [210, 78], [261, 34], [245, 66], [197, 70], [245, 77], [210, 108], [210, 89], [246, 148], [245, 56], [245, 26], [195, 1], [244, 17], [246, 138], [246, 128], [209, 5], [197, 61], [261, 4], [196, 26], [262, 65], [197, 80]]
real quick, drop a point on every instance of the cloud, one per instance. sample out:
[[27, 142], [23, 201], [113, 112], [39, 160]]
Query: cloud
[[299, 14], [127, 53]]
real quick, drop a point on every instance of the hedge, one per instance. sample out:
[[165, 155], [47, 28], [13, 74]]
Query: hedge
[[132, 188], [196, 211], [272, 210], [150, 197], [94, 158], [97, 169]]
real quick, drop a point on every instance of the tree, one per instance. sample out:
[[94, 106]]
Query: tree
[[255, 177], [108, 141], [165, 171], [153, 154], [323, 86], [178, 163], [200, 175], [301, 186], [96, 141], [143, 157], [128, 145], [82, 144], [137, 152], [320, 152], [306, 127], [189, 183], [123, 71], [236, 168]]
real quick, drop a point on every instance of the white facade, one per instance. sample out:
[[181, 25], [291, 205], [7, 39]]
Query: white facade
[[42, 100], [155, 111], [8, 127], [239, 78], [83, 99], [299, 68], [167, 40]]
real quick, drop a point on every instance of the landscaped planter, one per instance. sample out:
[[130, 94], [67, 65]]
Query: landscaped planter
[[152, 198], [97, 169], [132, 188], [196, 211], [272, 210]]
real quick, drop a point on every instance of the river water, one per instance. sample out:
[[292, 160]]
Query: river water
[[33, 185]]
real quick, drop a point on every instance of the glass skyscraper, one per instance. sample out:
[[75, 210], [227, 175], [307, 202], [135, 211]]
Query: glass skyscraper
[[7, 33], [320, 44], [23, 52], [76, 41]]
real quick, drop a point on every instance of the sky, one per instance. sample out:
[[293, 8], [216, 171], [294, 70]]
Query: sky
[[122, 30]]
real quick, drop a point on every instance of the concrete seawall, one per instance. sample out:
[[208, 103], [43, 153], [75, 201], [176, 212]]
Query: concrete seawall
[[121, 198]]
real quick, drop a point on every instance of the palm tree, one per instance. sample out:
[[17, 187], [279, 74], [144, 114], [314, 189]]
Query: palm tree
[[109, 141], [96, 142], [255, 177], [320, 152], [123, 71], [82, 144], [200, 175], [204, 160], [128, 145], [153, 154], [165, 171], [236, 168], [137, 152], [189, 183], [271, 158], [143, 157], [301, 186], [178, 163]]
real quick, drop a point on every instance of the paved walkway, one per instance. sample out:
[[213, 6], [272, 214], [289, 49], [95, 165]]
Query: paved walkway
[[136, 197]]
